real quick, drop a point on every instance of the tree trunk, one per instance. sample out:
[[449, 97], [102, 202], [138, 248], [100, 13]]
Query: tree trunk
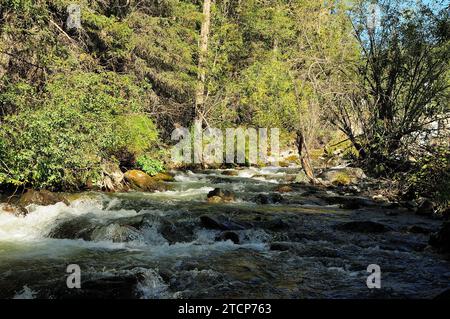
[[202, 60], [304, 157]]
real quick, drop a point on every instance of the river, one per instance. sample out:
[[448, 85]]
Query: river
[[157, 245]]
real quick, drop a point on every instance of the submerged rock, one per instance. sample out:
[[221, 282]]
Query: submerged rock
[[41, 197], [222, 223], [363, 227], [281, 246], [268, 199], [229, 235]]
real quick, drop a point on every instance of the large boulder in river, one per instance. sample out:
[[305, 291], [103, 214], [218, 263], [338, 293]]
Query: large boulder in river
[[41, 197], [343, 176], [143, 182], [224, 195], [441, 239]]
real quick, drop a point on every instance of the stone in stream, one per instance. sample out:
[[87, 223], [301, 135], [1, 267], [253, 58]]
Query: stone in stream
[[343, 176], [281, 246], [16, 210], [284, 189], [414, 229], [41, 197], [268, 199], [163, 177], [143, 182], [441, 239], [363, 227], [230, 173], [225, 195], [75, 228], [116, 233], [229, 235], [222, 223]]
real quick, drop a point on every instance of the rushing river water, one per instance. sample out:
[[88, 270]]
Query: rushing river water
[[142, 245]]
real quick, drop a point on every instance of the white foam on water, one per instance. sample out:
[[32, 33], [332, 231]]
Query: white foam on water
[[41, 219], [25, 293], [189, 177], [183, 193], [152, 286]]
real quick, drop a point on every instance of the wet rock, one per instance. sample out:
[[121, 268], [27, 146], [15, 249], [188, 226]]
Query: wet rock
[[284, 189], [275, 224], [343, 176], [215, 200], [75, 228], [441, 239], [225, 195], [143, 182], [41, 197], [363, 227], [265, 199], [222, 223], [116, 233], [163, 177], [16, 210], [426, 208], [230, 173], [418, 230], [281, 246], [229, 235], [181, 232]]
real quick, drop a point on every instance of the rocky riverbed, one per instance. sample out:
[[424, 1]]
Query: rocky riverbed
[[250, 233]]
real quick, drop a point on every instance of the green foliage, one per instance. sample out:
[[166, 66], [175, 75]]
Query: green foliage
[[431, 176], [62, 142], [149, 165]]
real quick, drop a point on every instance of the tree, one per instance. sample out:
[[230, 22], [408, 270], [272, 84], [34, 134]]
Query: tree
[[202, 60], [402, 80]]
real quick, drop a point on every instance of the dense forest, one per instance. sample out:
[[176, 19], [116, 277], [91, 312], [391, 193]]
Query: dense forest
[[74, 99]]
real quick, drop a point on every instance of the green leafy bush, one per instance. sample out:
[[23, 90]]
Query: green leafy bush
[[431, 177], [61, 142], [149, 165]]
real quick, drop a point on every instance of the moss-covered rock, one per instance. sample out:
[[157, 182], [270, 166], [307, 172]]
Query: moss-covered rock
[[141, 181], [41, 197]]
